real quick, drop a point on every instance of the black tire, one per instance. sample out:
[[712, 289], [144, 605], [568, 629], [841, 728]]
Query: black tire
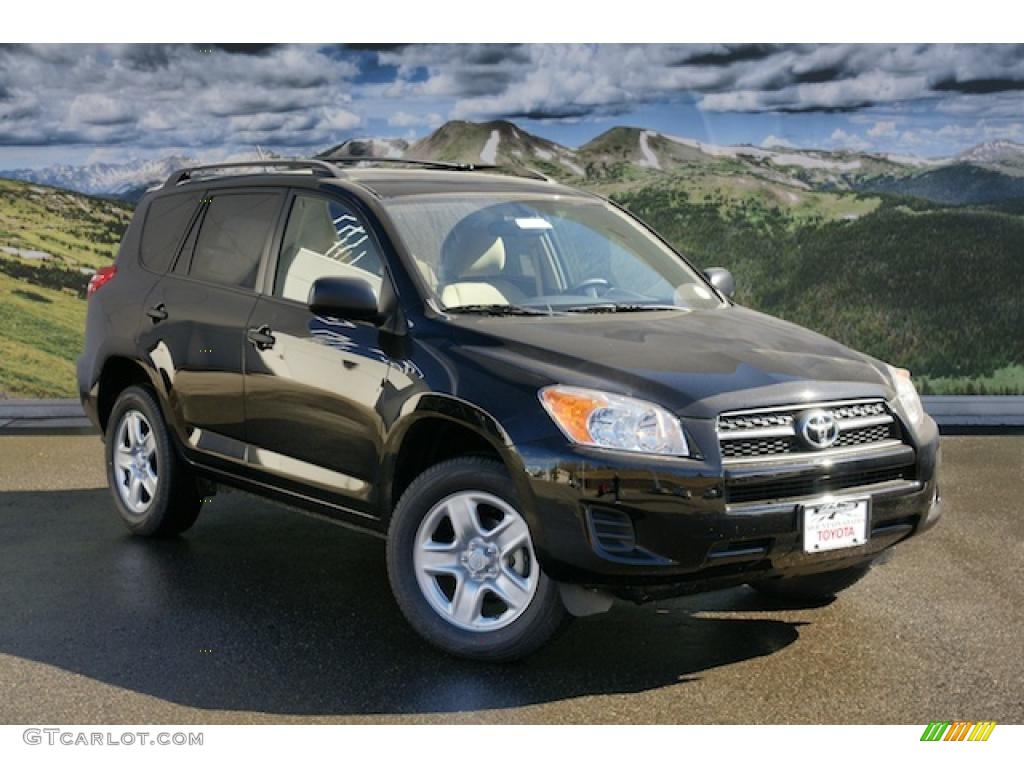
[[813, 587], [538, 622], [175, 504]]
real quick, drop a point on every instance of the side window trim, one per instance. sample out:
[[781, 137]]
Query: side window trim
[[353, 205], [187, 247], [265, 284]]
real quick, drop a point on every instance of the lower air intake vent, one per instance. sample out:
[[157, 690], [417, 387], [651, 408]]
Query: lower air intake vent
[[612, 531]]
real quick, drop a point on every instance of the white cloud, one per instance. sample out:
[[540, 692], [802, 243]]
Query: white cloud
[[771, 140], [962, 135], [140, 96], [340, 120], [402, 119], [306, 96], [882, 128], [562, 81], [840, 139], [99, 109]]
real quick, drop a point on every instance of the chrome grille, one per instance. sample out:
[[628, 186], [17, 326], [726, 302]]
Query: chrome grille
[[767, 446], [730, 423], [866, 435], [859, 410], [747, 435]]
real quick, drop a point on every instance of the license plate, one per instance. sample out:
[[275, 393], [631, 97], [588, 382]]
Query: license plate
[[835, 524]]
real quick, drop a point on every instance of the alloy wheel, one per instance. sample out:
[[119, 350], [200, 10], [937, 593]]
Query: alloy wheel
[[474, 561], [135, 462]]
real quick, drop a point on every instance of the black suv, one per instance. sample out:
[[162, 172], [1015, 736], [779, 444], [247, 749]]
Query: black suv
[[536, 400]]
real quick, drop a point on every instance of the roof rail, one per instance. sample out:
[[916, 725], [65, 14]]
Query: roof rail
[[315, 165], [439, 164]]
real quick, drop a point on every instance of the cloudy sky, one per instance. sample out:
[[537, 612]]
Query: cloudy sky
[[77, 104]]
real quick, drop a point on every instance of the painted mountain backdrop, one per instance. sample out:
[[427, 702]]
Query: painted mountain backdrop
[[919, 262], [989, 172]]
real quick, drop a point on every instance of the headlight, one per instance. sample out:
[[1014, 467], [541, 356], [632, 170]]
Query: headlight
[[907, 395], [603, 420]]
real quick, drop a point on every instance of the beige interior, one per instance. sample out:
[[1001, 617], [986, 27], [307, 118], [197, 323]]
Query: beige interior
[[476, 261]]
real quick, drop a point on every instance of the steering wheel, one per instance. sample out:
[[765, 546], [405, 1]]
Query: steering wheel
[[592, 287]]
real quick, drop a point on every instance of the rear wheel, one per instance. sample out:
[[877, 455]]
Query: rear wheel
[[813, 587], [462, 565], [155, 493]]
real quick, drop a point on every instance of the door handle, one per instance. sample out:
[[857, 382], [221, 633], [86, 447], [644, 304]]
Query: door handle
[[261, 337], [157, 313]]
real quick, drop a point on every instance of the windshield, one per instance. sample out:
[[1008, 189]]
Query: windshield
[[545, 253]]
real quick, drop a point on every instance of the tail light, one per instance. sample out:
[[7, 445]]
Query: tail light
[[101, 278]]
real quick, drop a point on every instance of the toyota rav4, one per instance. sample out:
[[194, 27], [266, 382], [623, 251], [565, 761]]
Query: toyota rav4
[[536, 400]]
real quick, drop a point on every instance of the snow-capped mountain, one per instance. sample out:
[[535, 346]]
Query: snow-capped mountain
[[994, 152], [107, 179], [498, 142], [503, 143], [1002, 155], [368, 147]]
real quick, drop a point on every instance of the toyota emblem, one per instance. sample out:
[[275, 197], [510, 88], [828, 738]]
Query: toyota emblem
[[817, 429]]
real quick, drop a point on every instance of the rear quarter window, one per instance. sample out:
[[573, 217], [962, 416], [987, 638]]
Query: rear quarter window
[[163, 229]]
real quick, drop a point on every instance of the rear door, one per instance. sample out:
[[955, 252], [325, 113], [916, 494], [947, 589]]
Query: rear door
[[199, 313], [314, 384]]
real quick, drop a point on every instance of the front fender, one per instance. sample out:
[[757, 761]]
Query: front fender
[[434, 405]]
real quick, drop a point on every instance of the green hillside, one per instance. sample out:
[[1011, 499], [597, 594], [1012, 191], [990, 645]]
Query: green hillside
[[50, 242], [954, 184], [936, 289], [40, 337], [76, 230]]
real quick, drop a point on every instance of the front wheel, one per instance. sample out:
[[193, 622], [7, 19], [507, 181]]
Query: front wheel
[[462, 565], [813, 587]]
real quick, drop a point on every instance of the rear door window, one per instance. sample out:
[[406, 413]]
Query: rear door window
[[233, 237], [164, 228]]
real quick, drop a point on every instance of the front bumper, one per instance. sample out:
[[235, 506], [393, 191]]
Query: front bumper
[[608, 519]]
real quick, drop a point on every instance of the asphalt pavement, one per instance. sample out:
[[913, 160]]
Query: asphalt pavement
[[259, 614]]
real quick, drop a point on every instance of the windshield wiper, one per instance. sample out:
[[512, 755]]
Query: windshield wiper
[[496, 310], [600, 308]]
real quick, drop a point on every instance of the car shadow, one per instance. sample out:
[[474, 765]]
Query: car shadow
[[264, 610]]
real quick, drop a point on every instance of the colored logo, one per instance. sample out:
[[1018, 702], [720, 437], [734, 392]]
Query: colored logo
[[958, 730]]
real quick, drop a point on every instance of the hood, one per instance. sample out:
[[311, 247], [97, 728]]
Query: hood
[[697, 363]]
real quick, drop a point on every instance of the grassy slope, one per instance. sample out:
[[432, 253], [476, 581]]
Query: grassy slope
[[40, 336], [1003, 381], [936, 289], [955, 183], [42, 311], [78, 230], [454, 142]]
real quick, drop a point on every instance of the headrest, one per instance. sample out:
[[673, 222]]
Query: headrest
[[474, 252], [312, 227]]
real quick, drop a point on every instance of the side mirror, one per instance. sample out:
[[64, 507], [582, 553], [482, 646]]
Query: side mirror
[[345, 298], [722, 279]]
